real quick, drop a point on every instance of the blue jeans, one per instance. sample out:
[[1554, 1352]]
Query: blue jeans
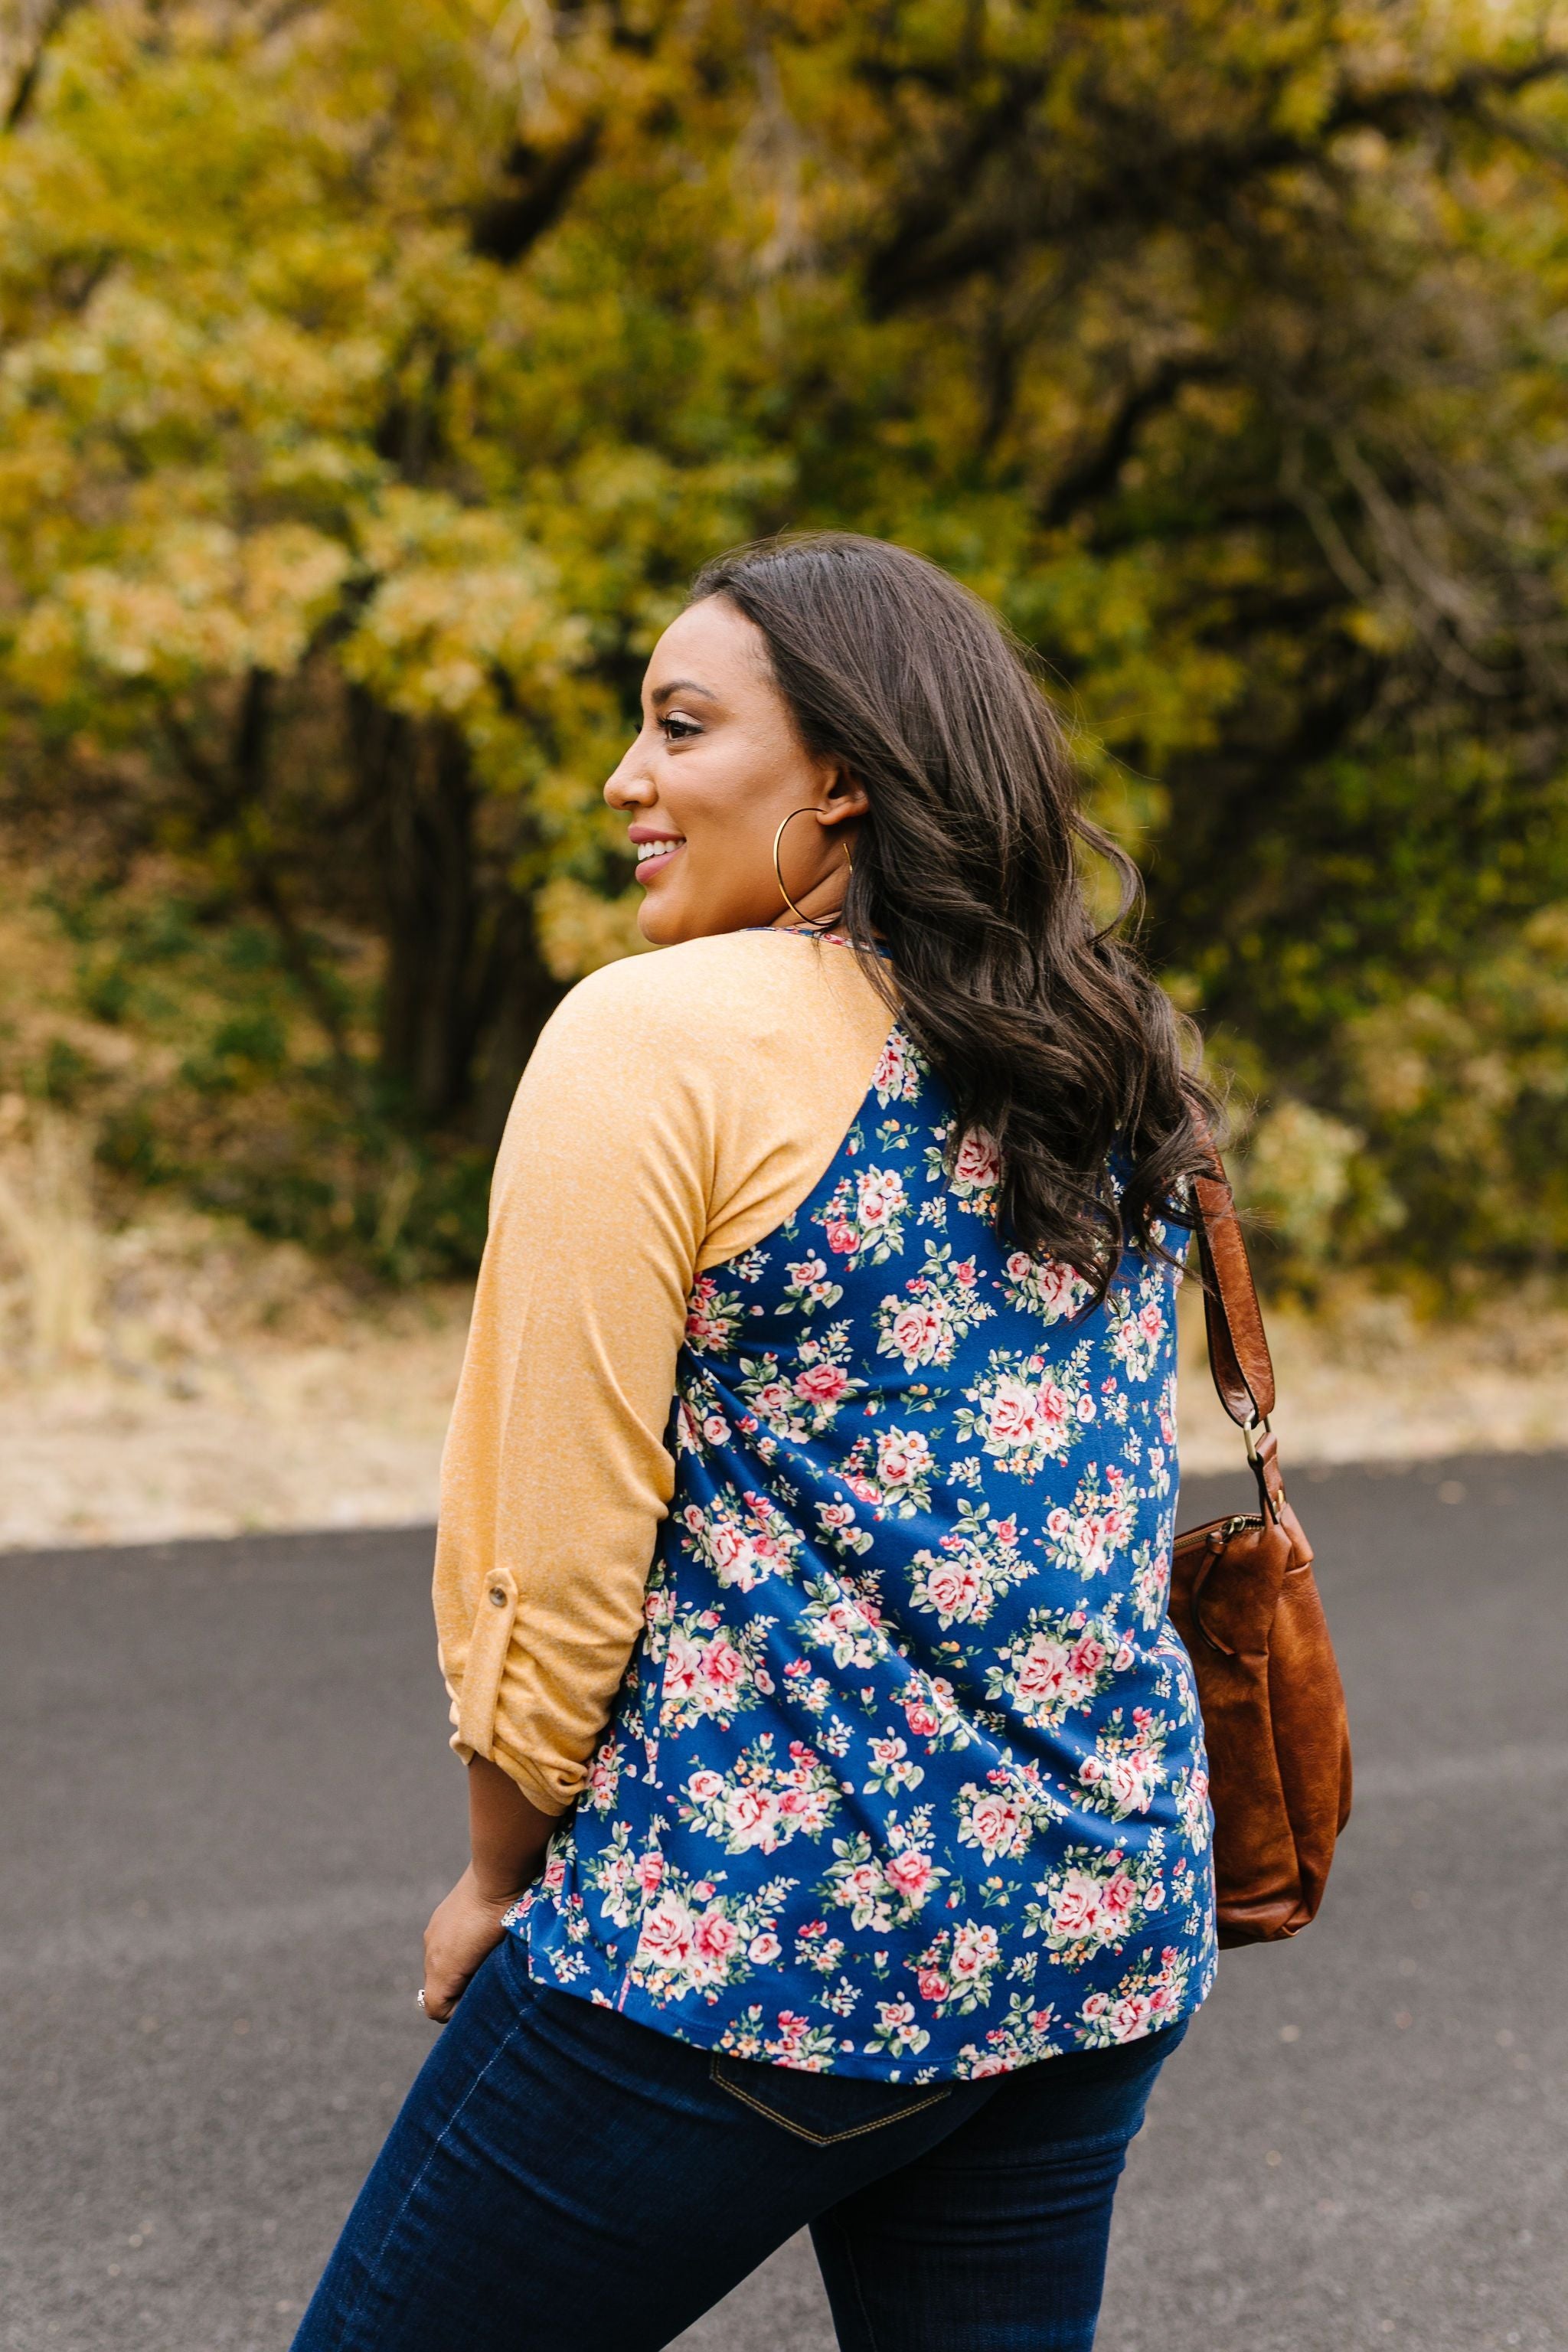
[[561, 2180]]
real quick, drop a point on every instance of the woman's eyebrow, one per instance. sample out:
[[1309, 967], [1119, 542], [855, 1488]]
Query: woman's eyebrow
[[682, 685]]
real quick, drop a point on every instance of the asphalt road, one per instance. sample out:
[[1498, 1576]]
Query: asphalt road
[[227, 1808]]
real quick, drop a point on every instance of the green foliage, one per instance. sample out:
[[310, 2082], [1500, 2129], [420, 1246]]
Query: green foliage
[[1467, 1092], [205, 1071], [374, 377]]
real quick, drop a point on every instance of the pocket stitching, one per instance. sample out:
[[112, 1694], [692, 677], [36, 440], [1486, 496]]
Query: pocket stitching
[[804, 2131]]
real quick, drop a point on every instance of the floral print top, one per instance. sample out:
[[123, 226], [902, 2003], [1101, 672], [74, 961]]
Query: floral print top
[[905, 1777]]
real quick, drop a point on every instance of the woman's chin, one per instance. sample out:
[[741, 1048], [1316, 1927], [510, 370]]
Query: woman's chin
[[654, 923], [665, 921]]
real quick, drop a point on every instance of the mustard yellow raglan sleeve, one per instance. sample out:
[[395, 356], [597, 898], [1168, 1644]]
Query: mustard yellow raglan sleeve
[[555, 1474]]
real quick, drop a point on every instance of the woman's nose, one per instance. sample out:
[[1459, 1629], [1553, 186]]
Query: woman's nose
[[631, 785]]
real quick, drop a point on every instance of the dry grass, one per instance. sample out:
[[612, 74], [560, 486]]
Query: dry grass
[[48, 1233], [177, 1377], [268, 1434], [1370, 1380], [174, 1375]]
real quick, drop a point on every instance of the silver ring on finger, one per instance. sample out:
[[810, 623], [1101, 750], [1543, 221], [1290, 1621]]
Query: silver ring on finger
[[420, 1997]]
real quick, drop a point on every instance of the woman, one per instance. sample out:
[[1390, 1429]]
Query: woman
[[837, 1786]]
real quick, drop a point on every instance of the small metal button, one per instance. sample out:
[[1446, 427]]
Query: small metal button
[[497, 1596]]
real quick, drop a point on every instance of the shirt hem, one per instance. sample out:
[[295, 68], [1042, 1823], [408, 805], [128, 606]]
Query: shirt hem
[[606, 1988]]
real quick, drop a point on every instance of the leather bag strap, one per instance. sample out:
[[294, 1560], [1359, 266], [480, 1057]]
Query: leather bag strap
[[1239, 1360], [1238, 1345]]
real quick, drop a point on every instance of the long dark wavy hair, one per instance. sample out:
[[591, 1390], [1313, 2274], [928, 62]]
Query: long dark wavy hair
[[1054, 1040]]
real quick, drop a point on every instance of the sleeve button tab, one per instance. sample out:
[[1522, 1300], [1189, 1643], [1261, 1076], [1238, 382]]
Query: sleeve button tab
[[497, 1596]]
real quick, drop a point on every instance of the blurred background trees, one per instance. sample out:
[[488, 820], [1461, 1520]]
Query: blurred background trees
[[374, 373]]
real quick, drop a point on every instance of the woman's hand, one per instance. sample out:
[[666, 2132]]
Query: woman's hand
[[464, 1926], [508, 1837]]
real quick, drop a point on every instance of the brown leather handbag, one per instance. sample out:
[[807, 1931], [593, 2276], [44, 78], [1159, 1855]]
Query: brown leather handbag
[[1245, 1601]]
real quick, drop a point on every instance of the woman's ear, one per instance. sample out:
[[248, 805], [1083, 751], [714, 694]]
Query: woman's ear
[[846, 798]]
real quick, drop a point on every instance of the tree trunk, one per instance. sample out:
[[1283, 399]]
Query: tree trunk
[[466, 991]]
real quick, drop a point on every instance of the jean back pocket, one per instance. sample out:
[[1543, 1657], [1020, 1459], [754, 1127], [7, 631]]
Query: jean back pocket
[[821, 2108]]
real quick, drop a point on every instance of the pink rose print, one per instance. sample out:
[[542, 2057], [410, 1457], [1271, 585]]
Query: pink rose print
[[1120, 1895], [714, 1937], [916, 1332], [995, 1822], [951, 1588], [1043, 1670], [1130, 2017], [749, 1809], [911, 1873], [721, 1662], [975, 1163], [732, 1549], [1131, 1779], [893, 1078], [1077, 1909], [1015, 1412], [667, 1930]]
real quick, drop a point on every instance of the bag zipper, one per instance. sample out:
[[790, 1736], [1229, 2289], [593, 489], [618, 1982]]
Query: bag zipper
[[1233, 1526]]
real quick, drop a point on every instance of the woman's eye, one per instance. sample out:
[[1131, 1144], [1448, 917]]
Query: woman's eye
[[676, 730]]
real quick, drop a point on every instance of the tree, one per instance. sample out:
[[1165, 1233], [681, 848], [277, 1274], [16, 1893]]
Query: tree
[[376, 377]]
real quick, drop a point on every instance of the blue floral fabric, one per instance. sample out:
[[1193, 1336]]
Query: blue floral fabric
[[906, 1776]]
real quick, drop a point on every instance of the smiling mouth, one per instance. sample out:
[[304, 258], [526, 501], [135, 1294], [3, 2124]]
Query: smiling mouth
[[651, 853]]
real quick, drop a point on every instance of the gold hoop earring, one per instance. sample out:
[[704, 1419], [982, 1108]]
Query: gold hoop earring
[[816, 922]]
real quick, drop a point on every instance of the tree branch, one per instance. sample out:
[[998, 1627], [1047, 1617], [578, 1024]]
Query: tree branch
[[231, 791], [945, 185], [931, 250], [510, 222], [27, 87], [1098, 472]]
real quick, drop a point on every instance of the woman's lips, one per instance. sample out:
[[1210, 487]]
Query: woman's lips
[[658, 853]]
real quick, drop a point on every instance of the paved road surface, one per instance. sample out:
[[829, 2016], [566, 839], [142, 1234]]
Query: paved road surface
[[228, 1809]]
